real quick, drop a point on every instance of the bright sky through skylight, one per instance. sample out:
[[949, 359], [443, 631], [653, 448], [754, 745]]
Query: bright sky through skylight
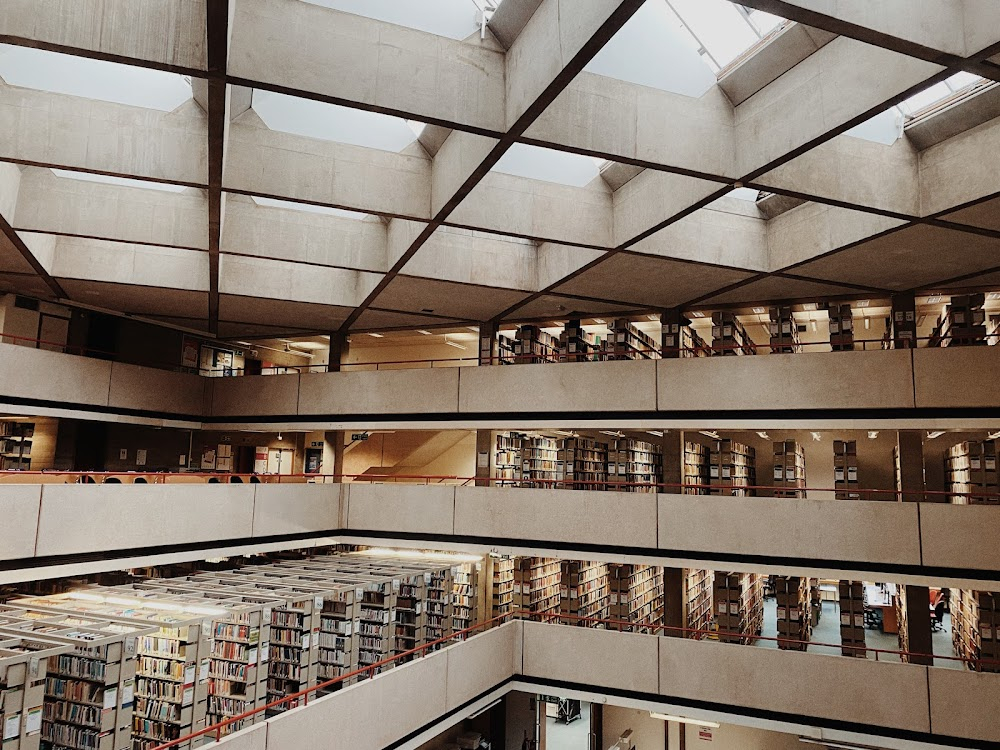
[[94, 79], [309, 208], [123, 181], [456, 19], [546, 164], [720, 30], [291, 114]]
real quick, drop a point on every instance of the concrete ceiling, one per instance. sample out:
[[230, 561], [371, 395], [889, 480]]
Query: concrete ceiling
[[448, 238]]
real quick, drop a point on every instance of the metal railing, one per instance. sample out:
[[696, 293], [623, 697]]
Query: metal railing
[[293, 700], [582, 485]]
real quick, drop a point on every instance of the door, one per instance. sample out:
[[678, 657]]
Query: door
[[279, 460]]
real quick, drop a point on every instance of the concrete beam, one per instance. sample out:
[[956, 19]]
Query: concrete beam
[[57, 205], [510, 19], [960, 170], [167, 34], [646, 202], [380, 66], [473, 257], [56, 130], [280, 280], [294, 167], [303, 236], [456, 160]]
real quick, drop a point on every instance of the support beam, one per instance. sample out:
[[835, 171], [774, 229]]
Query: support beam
[[217, 26], [339, 346], [14, 239], [918, 624]]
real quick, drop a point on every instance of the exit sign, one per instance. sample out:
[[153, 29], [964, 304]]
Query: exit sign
[[359, 436]]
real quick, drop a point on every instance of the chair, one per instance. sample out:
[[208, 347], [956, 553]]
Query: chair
[[254, 480], [112, 480], [213, 480], [937, 616], [140, 480], [873, 618], [235, 479]]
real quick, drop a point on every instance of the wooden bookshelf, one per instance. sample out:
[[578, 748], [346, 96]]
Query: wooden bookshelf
[[729, 337], [636, 596], [635, 462], [503, 586], [852, 618], [732, 468], [784, 331], [789, 475], [845, 470], [540, 466], [584, 591], [625, 341], [971, 467], [15, 445], [695, 469], [739, 606], [534, 346], [975, 619], [698, 609], [794, 611], [585, 463], [465, 593], [577, 345], [507, 463], [963, 323], [438, 607], [537, 585]]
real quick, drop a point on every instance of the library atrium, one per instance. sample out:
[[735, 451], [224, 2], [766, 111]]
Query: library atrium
[[278, 468]]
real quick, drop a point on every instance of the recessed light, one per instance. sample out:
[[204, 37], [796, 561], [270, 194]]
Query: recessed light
[[426, 333], [934, 299], [759, 310], [376, 335], [697, 314]]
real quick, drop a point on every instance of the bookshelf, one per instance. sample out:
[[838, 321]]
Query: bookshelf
[[789, 476], [534, 346], [465, 593], [584, 591], [337, 648], [784, 331], [695, 469], [732, 468], [15, 445], [407, 615], [852, 618], [636, 596], [508, 459], [537, 585], [438, 609], [24, 666], [585, 463], [90, 689], [971, 467], [963, 323], [841, 328], [625, 342], [815, 602], [540, 465], [577, 345], [975, 618], [495, 349], [503, 586], [739, 606], [794, 611], [845, 469], [635, 462], [729, 337], [698, 610]]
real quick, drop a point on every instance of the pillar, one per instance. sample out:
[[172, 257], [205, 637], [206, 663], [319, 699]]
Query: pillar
[[489, 345], [672, 446], [485, 457], [335, 439], [916, 599], [674, 615], [910, 444], [918, 623], [338, 351], [671, 340], [904, 321]]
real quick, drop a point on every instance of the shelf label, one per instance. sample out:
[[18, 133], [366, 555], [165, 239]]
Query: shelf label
[[33, 721], [11, 726], [110, 699], [188, 696], [128, 692]]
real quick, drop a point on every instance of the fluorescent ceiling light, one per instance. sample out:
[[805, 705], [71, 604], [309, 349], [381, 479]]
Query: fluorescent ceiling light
[[653, 317], [993, 295], [474, 329], [837, 745], [603, 322], [764, 435], [684, 720], [872, 434], [862, 303], [564, 432], [165, 187], [993, 436], [934, 299], [426, 333], [759, 310], [816, 436], [376, 335], [657, 433], [710, 433], [697, 314], [934, 434], [612, 434], [455, 344]]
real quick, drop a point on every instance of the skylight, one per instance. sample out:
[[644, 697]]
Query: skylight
[[330, 122], [719, 30], [309, 208], [546, 164], [961, 82], [93, 79], [123, 181], [456, 19]]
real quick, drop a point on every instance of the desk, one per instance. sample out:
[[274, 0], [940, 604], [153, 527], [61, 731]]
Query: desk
[[883, 600]]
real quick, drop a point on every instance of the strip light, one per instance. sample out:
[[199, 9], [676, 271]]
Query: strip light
[[683, 720]]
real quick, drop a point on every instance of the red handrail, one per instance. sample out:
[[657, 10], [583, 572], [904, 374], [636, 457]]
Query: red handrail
[[163, 477], [459, 635]]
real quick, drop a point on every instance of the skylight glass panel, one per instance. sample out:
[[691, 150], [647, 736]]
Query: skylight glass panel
[[546, 164], [885, 128], [744, 194], [123, 181], [655, 49], [456, 19], [309, 208], [958, 83], [92, 79], [330, 122], [722, 30]]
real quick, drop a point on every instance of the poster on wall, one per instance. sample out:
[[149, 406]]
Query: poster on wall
[[705, 733], [208, 459], [189, 353], [260, 459], [140, 457]]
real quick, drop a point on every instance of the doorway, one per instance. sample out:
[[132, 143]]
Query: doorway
[[279, 460]]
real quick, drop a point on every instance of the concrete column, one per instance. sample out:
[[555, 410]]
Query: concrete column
[[918, 623], [904, 321], [672, 445], [338, 351], [674, 615], [671, 322], [335, 438], [910, 444], [489, 347], [522, 720], [486, 457]]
